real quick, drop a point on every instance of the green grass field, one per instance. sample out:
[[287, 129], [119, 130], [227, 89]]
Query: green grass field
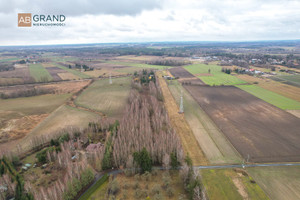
[[279, 183], [106, 98], [138, 65], [219, 185], [97, 191], [217, 77], [73, 71], [39, 73], [271, 97]]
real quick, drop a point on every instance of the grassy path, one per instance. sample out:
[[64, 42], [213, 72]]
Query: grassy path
[[178, 122]]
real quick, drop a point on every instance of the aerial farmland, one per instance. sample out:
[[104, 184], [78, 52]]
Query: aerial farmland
[[146, 123]]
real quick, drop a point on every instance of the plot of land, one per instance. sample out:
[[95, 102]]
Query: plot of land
[[147, 186], [279, 183], [188, 140], [109, 99], [254, 127], [288, 91], [185, 76], [17, 76], [213, 142], [10, 81], [39, 73], [288, 79], [230, 184], [56, 88], [271, 97], [104, 72], [54, 72], [217, 76], [73, 71], [68, 76], [64, 117], [139, 65], [18, 116]]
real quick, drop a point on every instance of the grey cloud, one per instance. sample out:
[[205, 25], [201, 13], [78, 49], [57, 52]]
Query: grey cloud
[[79, 7]]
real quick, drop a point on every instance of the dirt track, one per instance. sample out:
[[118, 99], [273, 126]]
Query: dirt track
[[254, 127]]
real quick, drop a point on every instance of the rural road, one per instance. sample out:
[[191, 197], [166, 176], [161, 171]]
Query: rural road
[[247, 165], [117, 171]]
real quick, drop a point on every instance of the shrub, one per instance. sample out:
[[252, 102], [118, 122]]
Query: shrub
[[148, 176], [136, 185], [170, 192], [137, 177], [138, 193], [114, 187], [156, 189], [166, 180], [64, 138], [158, 196], [174, 161]]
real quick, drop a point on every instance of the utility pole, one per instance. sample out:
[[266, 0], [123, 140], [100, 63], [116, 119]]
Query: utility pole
[[248, 157], [181, 104], [110, 81]]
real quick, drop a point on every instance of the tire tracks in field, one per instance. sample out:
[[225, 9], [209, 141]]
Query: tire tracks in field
[[72, 103]]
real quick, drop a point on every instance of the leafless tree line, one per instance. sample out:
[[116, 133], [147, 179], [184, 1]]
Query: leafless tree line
[[145, 124]]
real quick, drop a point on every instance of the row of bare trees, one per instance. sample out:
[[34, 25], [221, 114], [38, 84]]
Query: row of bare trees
[[145, 124]]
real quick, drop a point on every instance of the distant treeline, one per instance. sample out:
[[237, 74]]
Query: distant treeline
[[27, 93], [176, 52], [169, 62], [6, 67]]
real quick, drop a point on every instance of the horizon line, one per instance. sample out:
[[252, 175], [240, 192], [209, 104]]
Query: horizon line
[[145, 42]]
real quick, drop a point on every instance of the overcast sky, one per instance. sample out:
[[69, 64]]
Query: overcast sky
[[103, 21]]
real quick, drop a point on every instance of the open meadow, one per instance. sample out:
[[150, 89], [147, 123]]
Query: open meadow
[[271, 97], [286, 90], [20, 115], [110, 99], [228, 184], [39, 73], [63, 118], [279, 183], [212, 74], [288, 79]]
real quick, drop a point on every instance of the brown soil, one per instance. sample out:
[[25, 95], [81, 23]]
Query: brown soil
[[54, 72], [185, 76], [254, 127]]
